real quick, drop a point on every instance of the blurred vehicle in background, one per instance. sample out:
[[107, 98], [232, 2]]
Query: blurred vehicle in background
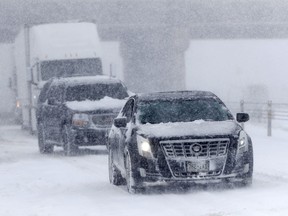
[[43, 51], [78, 111], [178, 137]]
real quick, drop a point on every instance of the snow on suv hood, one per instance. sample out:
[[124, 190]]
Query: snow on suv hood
[[104, 103], [196, 128]]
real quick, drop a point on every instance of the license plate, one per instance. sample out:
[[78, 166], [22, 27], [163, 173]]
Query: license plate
[[199, 166]]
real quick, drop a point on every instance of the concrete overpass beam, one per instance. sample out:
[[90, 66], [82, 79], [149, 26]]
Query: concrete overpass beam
[[154, 60]]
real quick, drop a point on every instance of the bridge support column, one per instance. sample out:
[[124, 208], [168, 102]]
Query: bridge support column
[[154, 61]]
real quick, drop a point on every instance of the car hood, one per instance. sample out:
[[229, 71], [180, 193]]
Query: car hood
[[88, 105], [186, 129]]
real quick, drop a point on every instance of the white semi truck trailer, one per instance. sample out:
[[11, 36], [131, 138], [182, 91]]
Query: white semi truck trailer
[[44, 51], [7, 85]]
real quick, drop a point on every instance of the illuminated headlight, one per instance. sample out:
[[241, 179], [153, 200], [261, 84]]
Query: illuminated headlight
[[80, 120], [144, 147], [18, 104], [242, 142]]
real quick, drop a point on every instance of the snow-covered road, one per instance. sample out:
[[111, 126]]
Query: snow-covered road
[[39, 185]]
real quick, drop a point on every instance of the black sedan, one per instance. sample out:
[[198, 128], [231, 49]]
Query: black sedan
[[178, 137]]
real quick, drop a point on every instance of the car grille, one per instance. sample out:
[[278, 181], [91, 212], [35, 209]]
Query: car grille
[[196, 174], [200, 148], [103, 120]]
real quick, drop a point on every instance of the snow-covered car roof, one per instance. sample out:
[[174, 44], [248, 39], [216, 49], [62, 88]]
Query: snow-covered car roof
[[85, 80], [171, 95]]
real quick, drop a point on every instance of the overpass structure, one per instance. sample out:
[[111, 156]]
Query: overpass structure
[[154, 34]]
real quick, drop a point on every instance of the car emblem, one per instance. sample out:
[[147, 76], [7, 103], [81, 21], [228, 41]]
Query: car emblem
[[196, 148]]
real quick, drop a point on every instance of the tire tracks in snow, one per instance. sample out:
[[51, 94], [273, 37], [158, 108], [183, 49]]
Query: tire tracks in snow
[[265, 179]]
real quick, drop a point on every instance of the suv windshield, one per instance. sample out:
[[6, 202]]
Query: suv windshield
[[95, 92], [207, 109]]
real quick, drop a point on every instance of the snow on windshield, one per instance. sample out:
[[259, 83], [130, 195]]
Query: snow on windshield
[[197, 128]]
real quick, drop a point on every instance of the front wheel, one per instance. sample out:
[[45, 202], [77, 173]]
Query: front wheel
[[133, 184], [44, 148], [247, 182], [115, 177], [69, 147], [247, 178]]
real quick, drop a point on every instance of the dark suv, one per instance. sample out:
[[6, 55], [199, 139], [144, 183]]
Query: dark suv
[[78, 111], [178, 137]]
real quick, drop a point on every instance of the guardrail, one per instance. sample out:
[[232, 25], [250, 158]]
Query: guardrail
[[266, 112]]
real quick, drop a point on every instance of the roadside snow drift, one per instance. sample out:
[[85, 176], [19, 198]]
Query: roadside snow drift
[[40, 185]]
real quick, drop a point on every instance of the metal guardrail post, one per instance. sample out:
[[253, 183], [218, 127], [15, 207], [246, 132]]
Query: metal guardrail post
[[242, 110], [269, 115]]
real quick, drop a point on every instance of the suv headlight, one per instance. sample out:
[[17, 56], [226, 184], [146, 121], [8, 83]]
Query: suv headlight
[[242, 142], [144, 147], [80, 120]]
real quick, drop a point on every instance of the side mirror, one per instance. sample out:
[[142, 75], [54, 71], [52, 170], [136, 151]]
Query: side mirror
[[242, 117], [120, 122]]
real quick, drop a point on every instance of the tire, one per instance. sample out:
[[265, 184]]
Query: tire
[[134, 185], [247, 179], [70, 149], [115, 177], [247, 182], [44, 148]]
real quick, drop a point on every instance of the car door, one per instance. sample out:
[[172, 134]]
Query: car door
[[53, 113], [42, 101], [125, 132]]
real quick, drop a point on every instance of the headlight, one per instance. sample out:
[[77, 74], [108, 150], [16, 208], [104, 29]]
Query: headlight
[[144, 147], [242, 142], [80, 120], [18, 104]]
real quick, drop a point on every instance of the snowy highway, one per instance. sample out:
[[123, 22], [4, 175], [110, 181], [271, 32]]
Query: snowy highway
[[32, 184]]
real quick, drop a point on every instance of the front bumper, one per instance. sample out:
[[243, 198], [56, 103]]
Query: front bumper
[[162, 170], [90, 137]]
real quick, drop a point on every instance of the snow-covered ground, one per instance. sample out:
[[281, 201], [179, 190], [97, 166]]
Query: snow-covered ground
[[34, 185]]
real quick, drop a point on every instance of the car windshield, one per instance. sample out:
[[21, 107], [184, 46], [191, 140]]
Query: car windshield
[[163, 111], [68, 68], [95, 92]]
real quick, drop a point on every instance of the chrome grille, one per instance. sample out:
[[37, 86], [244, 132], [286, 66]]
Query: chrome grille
[[103, 120], [206, 148], [196, 175]]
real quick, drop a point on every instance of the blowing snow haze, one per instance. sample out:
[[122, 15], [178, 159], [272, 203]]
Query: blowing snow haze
[[75, 150], [226, 46]]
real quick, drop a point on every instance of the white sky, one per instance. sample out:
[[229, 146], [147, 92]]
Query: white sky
[[227, 67]]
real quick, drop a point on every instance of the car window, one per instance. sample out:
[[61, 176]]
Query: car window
[[95, 92], [55, 94], [128, 110], [68, 68], [43, 94], [158, 111]]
